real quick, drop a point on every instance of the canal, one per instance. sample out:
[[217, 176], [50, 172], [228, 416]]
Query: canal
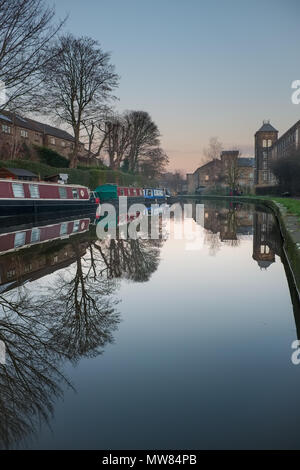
[[151, 344]]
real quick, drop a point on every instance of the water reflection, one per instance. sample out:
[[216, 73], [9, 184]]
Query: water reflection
[[59, 298]]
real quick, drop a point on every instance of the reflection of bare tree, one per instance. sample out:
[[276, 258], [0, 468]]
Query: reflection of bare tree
[[74, 317], [129, 259], [213, 240], [87, 314], [29, 381]]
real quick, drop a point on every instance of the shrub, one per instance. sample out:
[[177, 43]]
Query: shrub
[[52, 158]]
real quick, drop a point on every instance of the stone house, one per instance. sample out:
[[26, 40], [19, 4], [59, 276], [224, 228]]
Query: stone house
[[19, 135], [215, 172]]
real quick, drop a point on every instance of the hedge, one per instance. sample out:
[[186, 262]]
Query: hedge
[[89, 178]]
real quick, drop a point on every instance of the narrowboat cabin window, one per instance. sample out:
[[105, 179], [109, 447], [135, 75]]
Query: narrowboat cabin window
[[62, 193], [75, 194], [121, 192], [76, 226], [149, 192], [64, 228], [19, 239], [35, 235], [18, 189], [34, 190]]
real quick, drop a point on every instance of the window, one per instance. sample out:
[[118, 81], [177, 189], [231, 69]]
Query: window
[[5, 128], [76, 226], [206, 177], [265, 143], [20, 239], [35, 235], [24, 133], [265, 155], [18, 189], [34, 190], [62, 193], [63, 143], [28, 268], [265, 175], [64, 228], [265, 165], [121, 192], [52, 140], [269, 143], [75, 193]]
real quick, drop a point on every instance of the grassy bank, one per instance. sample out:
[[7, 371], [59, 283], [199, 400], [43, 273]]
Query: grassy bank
[[87, 177], [292, 205]]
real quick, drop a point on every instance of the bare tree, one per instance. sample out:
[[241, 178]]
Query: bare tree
[[232, 172], [77, 83], [26, 32], [213, 150]]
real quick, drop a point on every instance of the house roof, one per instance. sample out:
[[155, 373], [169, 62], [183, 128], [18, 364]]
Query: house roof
[[230, 152], [208, 164], [20, 172], [246, 162], [36, 126], [267, 127]]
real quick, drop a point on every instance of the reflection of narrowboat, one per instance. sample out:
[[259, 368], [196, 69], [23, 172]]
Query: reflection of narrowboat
[[111, 193], [16, 240], [20, 197]]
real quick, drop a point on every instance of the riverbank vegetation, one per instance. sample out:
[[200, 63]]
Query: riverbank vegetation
[[87, 177]]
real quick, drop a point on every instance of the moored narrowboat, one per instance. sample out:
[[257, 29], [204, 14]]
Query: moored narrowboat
[[155, 194], [24, 197], [112, 192]]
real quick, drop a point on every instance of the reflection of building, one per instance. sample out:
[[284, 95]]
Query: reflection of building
[[16, 268], [231, 220], [266, 239]]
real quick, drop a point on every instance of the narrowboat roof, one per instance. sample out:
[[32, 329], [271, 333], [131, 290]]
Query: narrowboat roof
[[49, 183]]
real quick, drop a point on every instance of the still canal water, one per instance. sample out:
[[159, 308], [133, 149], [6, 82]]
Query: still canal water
[[121, 344]]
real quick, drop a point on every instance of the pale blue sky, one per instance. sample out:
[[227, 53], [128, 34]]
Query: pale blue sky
[[200, 68]]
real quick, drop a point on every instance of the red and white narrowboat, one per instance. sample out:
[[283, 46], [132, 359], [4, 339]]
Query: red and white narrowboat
[[24, 197]]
